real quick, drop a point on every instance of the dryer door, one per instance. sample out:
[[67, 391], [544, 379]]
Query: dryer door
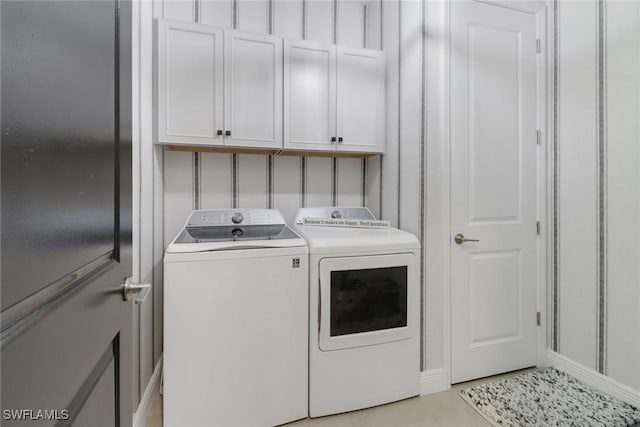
[[367, 300]]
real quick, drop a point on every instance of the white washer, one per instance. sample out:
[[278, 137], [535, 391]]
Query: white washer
[[235, 321], [364, 343]]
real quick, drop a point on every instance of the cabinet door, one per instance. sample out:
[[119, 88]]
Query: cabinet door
[[189, 85], [360, 100], [253, 90], [309, 95]]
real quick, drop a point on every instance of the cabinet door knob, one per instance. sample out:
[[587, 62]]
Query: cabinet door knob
[[219, 132], [228, 133], [333, 139], [340, 139]]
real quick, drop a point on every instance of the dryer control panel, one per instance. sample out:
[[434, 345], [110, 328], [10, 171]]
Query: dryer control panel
[[334, 213]]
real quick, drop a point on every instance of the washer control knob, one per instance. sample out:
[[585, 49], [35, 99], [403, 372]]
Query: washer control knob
[[237, 218], [336, 214]]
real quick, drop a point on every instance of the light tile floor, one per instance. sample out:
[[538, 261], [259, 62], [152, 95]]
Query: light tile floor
[[445, 409]]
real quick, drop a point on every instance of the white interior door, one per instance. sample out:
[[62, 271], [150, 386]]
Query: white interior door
[[253, 90], [309, 95], [189, 83], [493, 189], [361, 97]]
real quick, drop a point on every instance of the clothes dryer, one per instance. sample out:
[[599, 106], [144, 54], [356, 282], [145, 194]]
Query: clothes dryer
[[364, 334]]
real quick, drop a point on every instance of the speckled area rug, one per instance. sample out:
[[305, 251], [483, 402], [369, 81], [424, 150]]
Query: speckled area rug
[[548, 397]]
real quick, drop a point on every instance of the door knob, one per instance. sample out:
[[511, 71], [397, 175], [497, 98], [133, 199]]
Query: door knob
[[129, 289], [460, 239]]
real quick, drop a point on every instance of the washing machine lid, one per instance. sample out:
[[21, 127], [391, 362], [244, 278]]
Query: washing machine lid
[[224, 229], [327, 240]]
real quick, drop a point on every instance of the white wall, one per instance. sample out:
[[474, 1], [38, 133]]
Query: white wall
[[403, 169], [578, 173], [147, 343], [436, 200], [596, 141], [623, 185]]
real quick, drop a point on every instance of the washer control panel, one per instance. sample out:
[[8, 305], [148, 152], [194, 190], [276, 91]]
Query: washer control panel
[[217, 217]]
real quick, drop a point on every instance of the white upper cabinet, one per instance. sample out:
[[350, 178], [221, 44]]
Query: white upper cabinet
[[253, 90], [229, 88], [218, 87], [361, 100], [190, 83], [309, 95], [334, 98]]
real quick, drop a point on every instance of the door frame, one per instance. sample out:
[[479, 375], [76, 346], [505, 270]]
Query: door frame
[[541, 11]]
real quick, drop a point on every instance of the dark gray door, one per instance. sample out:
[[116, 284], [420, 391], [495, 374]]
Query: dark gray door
[[66, 213]]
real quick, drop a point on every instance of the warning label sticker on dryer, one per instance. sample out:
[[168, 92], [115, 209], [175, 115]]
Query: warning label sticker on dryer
[[349, 223]]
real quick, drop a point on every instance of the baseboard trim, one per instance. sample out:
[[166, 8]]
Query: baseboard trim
[[141, 414], [433, 381], [594, 379]]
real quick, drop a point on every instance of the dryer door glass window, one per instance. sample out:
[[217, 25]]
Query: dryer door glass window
[[368, 300]]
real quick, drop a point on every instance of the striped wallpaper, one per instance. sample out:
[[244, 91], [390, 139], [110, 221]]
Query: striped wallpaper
[[595, 119]]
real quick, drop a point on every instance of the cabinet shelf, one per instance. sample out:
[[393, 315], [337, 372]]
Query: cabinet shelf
[[267, 151]]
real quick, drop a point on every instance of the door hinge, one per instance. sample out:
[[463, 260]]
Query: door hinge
[[538, 228], [538, 137], [538, 318], [538, 45]]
